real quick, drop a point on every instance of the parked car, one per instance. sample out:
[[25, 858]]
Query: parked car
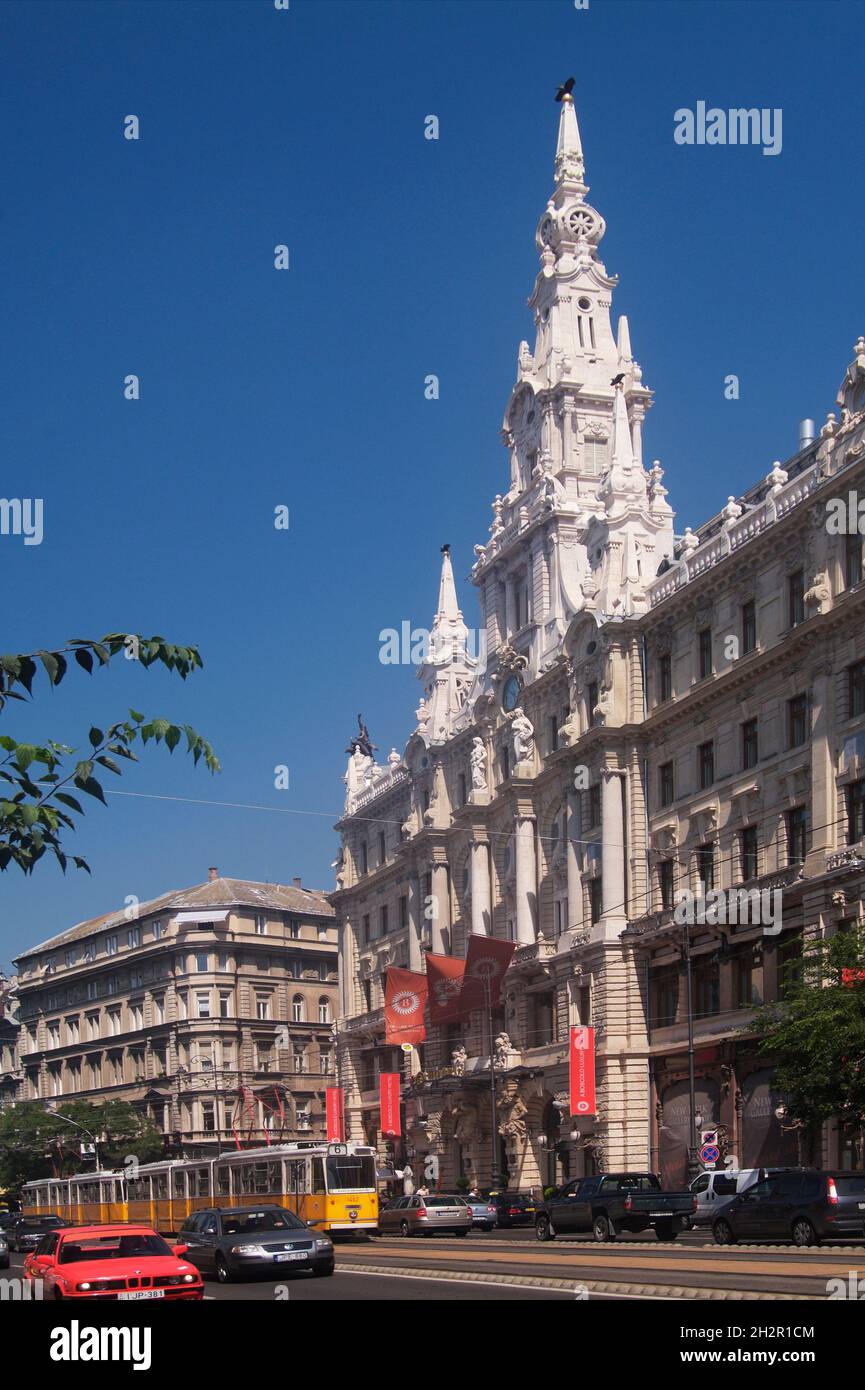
[[125, 1263], [608, 1203], [514, 1208], [228, 1243], [4, 1251], [483, 1210], [28, 1231], [438, 1214], [803, 1206], [8, 1219], [714, 1190]]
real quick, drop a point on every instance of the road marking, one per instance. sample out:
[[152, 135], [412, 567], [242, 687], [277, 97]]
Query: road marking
[[437, 1278]]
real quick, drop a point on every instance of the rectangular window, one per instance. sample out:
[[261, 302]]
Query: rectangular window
[[706, 986], [591, 702], [665, 996], [666, 784], [202, 1004], [704, 639], [133, 936], [748, 853], [744, 984], [403, 911], [666, 883], [111, 945], [750, 750], [705, 858], [594, 805], [796, 599], [262, 1006], [797, 834], [665, 677], [856, 812], [367, 934], [202, 962], [856, 690], [382, 849], [364, 859], [384, 920], [225, 1003], [852, 561], [797, 721], [554, 732], [260, 925], [706, 764], [749, 626], [596, 899], [506, 762], [462, 790], [158, 931]]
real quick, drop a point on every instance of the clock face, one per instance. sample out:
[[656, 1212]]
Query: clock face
[[511, 693]]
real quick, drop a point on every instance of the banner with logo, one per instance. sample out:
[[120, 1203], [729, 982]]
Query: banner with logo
[[487, 960], [333, 1110], [405, 998], [445, 981], [389, 1103], [582, 1071]]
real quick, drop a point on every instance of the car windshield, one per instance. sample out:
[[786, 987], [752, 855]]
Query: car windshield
[[113, 1247], [243, 1222]]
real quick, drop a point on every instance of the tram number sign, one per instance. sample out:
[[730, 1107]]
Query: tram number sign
[[710, 1153]]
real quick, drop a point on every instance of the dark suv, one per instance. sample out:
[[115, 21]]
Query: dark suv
[[805, 1207]]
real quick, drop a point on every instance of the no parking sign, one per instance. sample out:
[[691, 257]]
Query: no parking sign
[[710, 1153]]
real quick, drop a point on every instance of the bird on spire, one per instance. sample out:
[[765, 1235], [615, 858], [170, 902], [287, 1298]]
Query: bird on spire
[[565, 89]]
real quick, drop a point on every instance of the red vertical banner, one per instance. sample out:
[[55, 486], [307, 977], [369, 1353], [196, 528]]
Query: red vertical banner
[[389, 1103], [333, 1109], [582, 1071]]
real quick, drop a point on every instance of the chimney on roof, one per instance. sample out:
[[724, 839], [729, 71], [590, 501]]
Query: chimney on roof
[[296, 882], [212, 873]]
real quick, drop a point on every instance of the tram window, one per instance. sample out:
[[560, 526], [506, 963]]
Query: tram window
[[222, 1182], [139, 1189], [295, 1173], [317, 1176], [160, 1185], [177, 1183], [261, 1174], [346, 1172], [199, 1182], [274, 1177]]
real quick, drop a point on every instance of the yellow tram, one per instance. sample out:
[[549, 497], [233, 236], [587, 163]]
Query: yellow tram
[[333, 1186]]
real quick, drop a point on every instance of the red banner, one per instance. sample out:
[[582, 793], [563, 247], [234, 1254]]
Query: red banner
[[582, 1071], [333, 1109], [445, 980], [389, 1102], [404, 1006], [487, 959]]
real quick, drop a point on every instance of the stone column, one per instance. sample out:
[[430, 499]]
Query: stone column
[[825, 835], [441, 922], [575, 878], [346, 968], [481, 888], [415, 923], [527, 888], [614, 918]]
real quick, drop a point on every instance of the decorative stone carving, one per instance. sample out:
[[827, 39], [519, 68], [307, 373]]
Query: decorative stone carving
[[523, 733], [503, 1051], [458, 1060], [478, 762]]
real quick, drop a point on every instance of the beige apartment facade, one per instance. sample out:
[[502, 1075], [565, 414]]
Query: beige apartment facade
[[211, 1008], [637, 712]]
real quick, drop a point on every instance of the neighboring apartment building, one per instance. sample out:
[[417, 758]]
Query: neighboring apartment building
[[612, 747], [211, 1007], [10, 1074]]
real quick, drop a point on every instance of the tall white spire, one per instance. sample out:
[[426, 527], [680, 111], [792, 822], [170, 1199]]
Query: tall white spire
[[448, 670], [569, 150], [448, 608]]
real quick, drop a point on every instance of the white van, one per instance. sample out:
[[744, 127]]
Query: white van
[[714, 1189]]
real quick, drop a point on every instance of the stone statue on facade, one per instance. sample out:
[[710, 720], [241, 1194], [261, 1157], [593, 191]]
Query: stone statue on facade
[[478, 762], [523, 732], [361, 742], [502, 1050], [459, 1056]]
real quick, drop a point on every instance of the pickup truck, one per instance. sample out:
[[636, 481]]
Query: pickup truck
[[608, 1203]]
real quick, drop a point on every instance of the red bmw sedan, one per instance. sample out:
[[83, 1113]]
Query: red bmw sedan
[[124, 1263]]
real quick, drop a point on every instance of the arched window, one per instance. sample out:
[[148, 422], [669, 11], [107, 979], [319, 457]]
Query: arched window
[[297, 1009], [324, 1009]]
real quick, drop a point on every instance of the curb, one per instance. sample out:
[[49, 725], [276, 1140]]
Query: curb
[[593, 1285]]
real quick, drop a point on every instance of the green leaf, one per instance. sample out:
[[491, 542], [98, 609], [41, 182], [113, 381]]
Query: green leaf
[[51, 664], [85, 659], [96, 736], [91, 787]]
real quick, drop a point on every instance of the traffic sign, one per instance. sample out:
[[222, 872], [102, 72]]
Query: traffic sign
[[710, 1153]]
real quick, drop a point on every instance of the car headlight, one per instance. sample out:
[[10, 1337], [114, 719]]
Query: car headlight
[[189, 1278], [247, 1250], [83, 1287], [324, 1245]]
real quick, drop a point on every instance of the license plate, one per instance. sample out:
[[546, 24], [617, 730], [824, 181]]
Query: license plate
[[665, 1214], [296, 1255], [133, 1295], [529, 1208]]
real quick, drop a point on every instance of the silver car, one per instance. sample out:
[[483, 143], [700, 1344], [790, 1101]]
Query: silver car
[[409, 1216]]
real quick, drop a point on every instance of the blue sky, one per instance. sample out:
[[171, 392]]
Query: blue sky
[[305, 388]]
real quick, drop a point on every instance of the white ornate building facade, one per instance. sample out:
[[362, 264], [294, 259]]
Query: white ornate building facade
[[651, 712]]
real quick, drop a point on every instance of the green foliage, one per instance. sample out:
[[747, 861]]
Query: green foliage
[[38, 1143], [815, 1033], [37, 805]]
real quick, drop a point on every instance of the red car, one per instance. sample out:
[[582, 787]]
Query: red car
[[125, 1263]]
